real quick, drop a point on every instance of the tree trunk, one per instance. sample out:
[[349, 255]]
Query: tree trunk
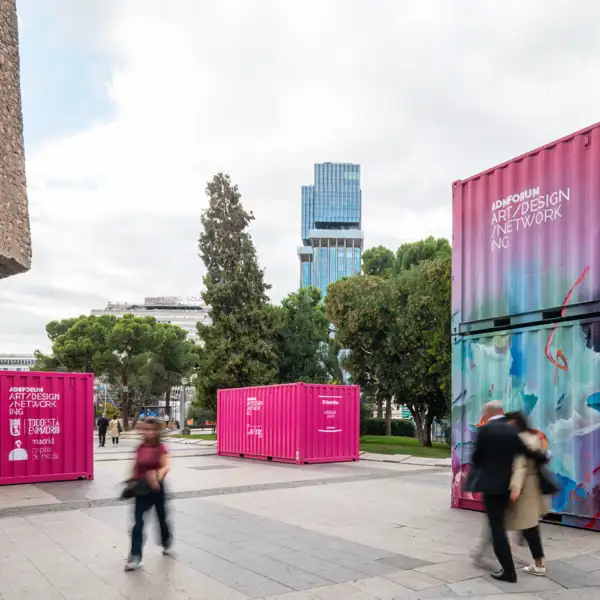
[[136, 417], [388, 416], [168, 402], [419, 425], [427, 431], [125, 410], [379, 404]]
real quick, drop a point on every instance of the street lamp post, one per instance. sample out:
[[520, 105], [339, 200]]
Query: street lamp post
[[182, 401]]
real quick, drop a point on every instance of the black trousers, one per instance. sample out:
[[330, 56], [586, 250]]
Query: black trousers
[[534, 541], [101, 437], [142, 505], [496, 506]]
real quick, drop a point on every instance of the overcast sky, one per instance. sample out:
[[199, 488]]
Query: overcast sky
[[130, 106]]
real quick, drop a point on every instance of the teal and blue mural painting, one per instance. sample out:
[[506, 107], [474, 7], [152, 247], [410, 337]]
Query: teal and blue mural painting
[[526, 252], [560, 396]]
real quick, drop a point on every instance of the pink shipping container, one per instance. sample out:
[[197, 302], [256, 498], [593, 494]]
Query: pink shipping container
[[526, 237], [296, 423], [47, 427]]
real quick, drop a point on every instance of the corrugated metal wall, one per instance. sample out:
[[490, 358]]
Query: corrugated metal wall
[[47, 426], [332, 423], [527, 232], [526, 310], [291, 423], [560, 397]]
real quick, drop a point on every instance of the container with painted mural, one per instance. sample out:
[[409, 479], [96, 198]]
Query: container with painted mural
[[552, 374], [526, 237]]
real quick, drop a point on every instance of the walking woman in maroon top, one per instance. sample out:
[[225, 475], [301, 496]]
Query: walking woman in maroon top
[[149, 472]]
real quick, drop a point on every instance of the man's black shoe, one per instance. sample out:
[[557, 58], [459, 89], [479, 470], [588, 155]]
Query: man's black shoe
[[505, 576]]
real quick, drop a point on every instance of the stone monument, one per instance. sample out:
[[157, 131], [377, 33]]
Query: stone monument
[[15, 238]]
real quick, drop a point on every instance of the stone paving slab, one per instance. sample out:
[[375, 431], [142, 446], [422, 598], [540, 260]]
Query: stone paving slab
[[377, 533], [411, 517], [198, 476]]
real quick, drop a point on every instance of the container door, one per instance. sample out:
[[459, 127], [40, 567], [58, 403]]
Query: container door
[[332, 423], [240, 421]]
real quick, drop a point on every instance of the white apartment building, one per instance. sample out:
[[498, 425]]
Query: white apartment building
[[165, 310], [16, 362]]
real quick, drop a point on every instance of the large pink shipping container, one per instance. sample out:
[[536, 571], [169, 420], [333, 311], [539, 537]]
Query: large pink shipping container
[[47, 427], [526, 237], [296, 423]]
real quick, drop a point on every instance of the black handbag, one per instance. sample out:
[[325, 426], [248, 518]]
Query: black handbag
[[548, 483], [134, 488]]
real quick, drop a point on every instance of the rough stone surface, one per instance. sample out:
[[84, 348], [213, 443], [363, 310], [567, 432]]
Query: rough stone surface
[[15, 239]]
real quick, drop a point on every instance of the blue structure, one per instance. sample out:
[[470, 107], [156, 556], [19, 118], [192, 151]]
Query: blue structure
[[331, 225]]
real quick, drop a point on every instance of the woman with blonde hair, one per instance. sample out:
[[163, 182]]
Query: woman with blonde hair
[[528, 486]]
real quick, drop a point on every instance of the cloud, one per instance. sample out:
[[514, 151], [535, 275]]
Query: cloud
[[419, 93]]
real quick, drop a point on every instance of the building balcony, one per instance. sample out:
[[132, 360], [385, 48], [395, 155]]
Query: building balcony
[[354, 237]]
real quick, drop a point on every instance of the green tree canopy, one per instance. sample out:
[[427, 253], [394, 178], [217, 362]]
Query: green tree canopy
[[239, 347], [397, 332], [302, 336], [359, 308], [378, 261], [412, 253], [135, 355], [420, 339]]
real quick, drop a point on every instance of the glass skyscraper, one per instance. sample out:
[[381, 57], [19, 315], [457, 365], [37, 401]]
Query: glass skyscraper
[[331, 225]]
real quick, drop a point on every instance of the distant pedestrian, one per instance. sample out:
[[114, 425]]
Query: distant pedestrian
[[115, 430], [102, 429], [147, 487]]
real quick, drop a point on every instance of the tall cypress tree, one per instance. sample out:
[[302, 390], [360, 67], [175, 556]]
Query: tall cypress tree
[[239, 345]]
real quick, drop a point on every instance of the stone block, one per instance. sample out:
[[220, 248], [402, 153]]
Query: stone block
[[15, 237]]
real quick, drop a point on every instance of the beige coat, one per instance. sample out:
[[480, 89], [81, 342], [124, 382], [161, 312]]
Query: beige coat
[[113, 428], [525, 513]]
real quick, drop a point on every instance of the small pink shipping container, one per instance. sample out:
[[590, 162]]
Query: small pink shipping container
[[47, 427], [296, 423]]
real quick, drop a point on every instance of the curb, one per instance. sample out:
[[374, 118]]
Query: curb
[[407, 462], [406, 459]]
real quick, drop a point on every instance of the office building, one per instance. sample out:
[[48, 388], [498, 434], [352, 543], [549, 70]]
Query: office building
[[16, 362], [331, 225], [164, 310]]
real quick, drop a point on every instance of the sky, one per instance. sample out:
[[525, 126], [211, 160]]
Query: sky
[[130, 107]]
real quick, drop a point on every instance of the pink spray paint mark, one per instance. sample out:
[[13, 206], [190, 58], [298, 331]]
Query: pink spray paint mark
[[560, 362]]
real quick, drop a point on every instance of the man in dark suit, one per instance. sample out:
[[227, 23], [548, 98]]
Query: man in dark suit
[[497, 445], [102, 429]]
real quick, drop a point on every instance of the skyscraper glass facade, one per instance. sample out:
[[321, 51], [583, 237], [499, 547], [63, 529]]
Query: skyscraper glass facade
[[331, 225]]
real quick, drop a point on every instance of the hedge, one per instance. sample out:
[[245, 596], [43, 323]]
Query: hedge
[[376, 426]]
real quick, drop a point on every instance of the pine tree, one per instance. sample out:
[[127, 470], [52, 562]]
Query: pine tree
[[239, 345]]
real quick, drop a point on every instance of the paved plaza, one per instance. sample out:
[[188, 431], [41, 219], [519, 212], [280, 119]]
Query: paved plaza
[[264, 530]]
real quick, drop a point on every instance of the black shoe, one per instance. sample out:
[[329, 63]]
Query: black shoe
[[505, 576]]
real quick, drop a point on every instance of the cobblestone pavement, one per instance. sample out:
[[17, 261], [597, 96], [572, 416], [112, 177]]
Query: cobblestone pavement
[[261, 530]]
